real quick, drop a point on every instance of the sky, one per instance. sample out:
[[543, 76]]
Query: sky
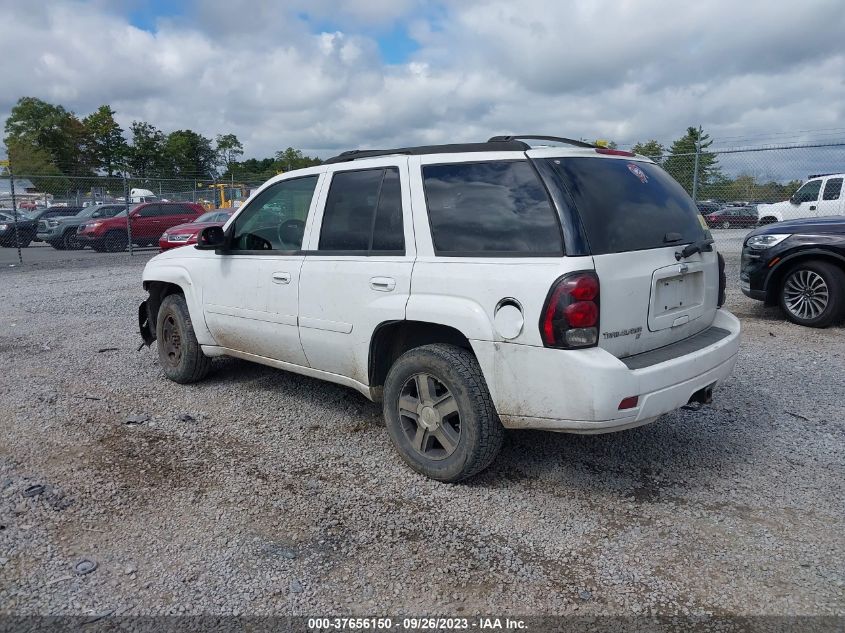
[[326, 75]]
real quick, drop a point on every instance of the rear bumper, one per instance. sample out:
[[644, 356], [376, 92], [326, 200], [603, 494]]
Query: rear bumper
[[580, 391], [49, 236]]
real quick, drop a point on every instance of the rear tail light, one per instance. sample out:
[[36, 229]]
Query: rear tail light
[[570, 317]]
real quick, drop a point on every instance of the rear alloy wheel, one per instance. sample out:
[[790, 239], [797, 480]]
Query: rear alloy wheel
[[179, 353], [813, 294], [439, 413], [115, 242], [726, 225]]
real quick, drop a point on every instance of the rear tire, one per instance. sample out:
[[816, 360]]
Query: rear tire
[[439, 413], [767, 220], [59, 245], [179, 352], [115, 242], [812, 294]]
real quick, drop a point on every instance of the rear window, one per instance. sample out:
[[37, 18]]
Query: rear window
[[628, 205], [490, 208]]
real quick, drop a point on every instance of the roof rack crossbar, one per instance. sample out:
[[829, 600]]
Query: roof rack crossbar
[[535, 137], [490, 146]]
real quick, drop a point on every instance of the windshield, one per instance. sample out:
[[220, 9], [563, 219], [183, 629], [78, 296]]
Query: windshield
[[627, 205], [212, 216]]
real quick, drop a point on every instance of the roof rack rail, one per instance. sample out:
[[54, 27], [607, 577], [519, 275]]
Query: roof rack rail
[[821, 175], [535, 137], [493, 145]]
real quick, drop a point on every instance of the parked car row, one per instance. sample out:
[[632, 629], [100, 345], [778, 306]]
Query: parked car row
[[820, 196], [728, 215], [104, 227]]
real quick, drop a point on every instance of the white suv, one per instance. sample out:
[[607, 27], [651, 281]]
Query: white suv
[[471, 288]]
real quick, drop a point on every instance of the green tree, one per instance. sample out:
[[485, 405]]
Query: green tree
[[290, 159], [680, 163], [229, 149], [145, 156], [37, 165], [107, 149], [254, 169], [49, 128], [189, 154], [652, 149]]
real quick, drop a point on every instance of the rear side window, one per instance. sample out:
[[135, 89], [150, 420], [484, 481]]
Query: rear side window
[[832, 189], [490, 208], [363, 213], [627, 205]]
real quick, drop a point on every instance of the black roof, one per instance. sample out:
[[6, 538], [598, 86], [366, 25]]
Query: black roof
[[494, 144]]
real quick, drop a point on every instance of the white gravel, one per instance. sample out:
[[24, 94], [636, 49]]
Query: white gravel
[[281, 494]]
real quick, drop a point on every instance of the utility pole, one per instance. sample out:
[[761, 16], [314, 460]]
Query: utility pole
[[15, 210], [697, 160]]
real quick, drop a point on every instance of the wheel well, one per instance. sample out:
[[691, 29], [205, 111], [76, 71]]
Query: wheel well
[[777, 275], [158, 291], [391, 340]]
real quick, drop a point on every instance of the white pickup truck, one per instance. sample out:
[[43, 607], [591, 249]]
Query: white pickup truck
[[819, 196]]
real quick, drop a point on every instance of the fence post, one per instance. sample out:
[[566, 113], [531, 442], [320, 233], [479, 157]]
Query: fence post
[[126, 207], [15, 208], [695, 168]]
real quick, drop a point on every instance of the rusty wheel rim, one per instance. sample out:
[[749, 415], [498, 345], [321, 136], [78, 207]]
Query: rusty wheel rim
[[171, 338]]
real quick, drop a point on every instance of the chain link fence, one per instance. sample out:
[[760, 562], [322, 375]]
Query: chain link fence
[[735, 190], [738, 189], [38, 210]]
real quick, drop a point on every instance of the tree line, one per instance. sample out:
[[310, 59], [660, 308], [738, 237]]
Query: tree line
[[679, 161], [53, 143]]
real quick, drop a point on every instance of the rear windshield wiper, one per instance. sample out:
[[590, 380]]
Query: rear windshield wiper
[[701, 246]]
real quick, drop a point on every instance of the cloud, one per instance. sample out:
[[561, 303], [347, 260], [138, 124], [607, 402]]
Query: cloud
[[275, 75]]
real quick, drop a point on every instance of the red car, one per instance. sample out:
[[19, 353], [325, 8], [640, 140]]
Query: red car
[[732, 217], [186, 234], [147, 220]]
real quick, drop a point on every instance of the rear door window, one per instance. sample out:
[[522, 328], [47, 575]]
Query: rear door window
[[832, 189], [627, 205], [490, 208], [363, 213]]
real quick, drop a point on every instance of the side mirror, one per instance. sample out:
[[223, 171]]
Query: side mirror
[[211, 238], [794, 200]]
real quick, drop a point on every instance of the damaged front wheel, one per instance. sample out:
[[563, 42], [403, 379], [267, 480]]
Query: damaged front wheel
[[179, 352]]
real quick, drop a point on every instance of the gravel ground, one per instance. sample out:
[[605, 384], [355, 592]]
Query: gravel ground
[[262, 492]]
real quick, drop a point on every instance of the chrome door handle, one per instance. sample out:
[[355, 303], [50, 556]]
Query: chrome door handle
[[382, 284], [281, 278]]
